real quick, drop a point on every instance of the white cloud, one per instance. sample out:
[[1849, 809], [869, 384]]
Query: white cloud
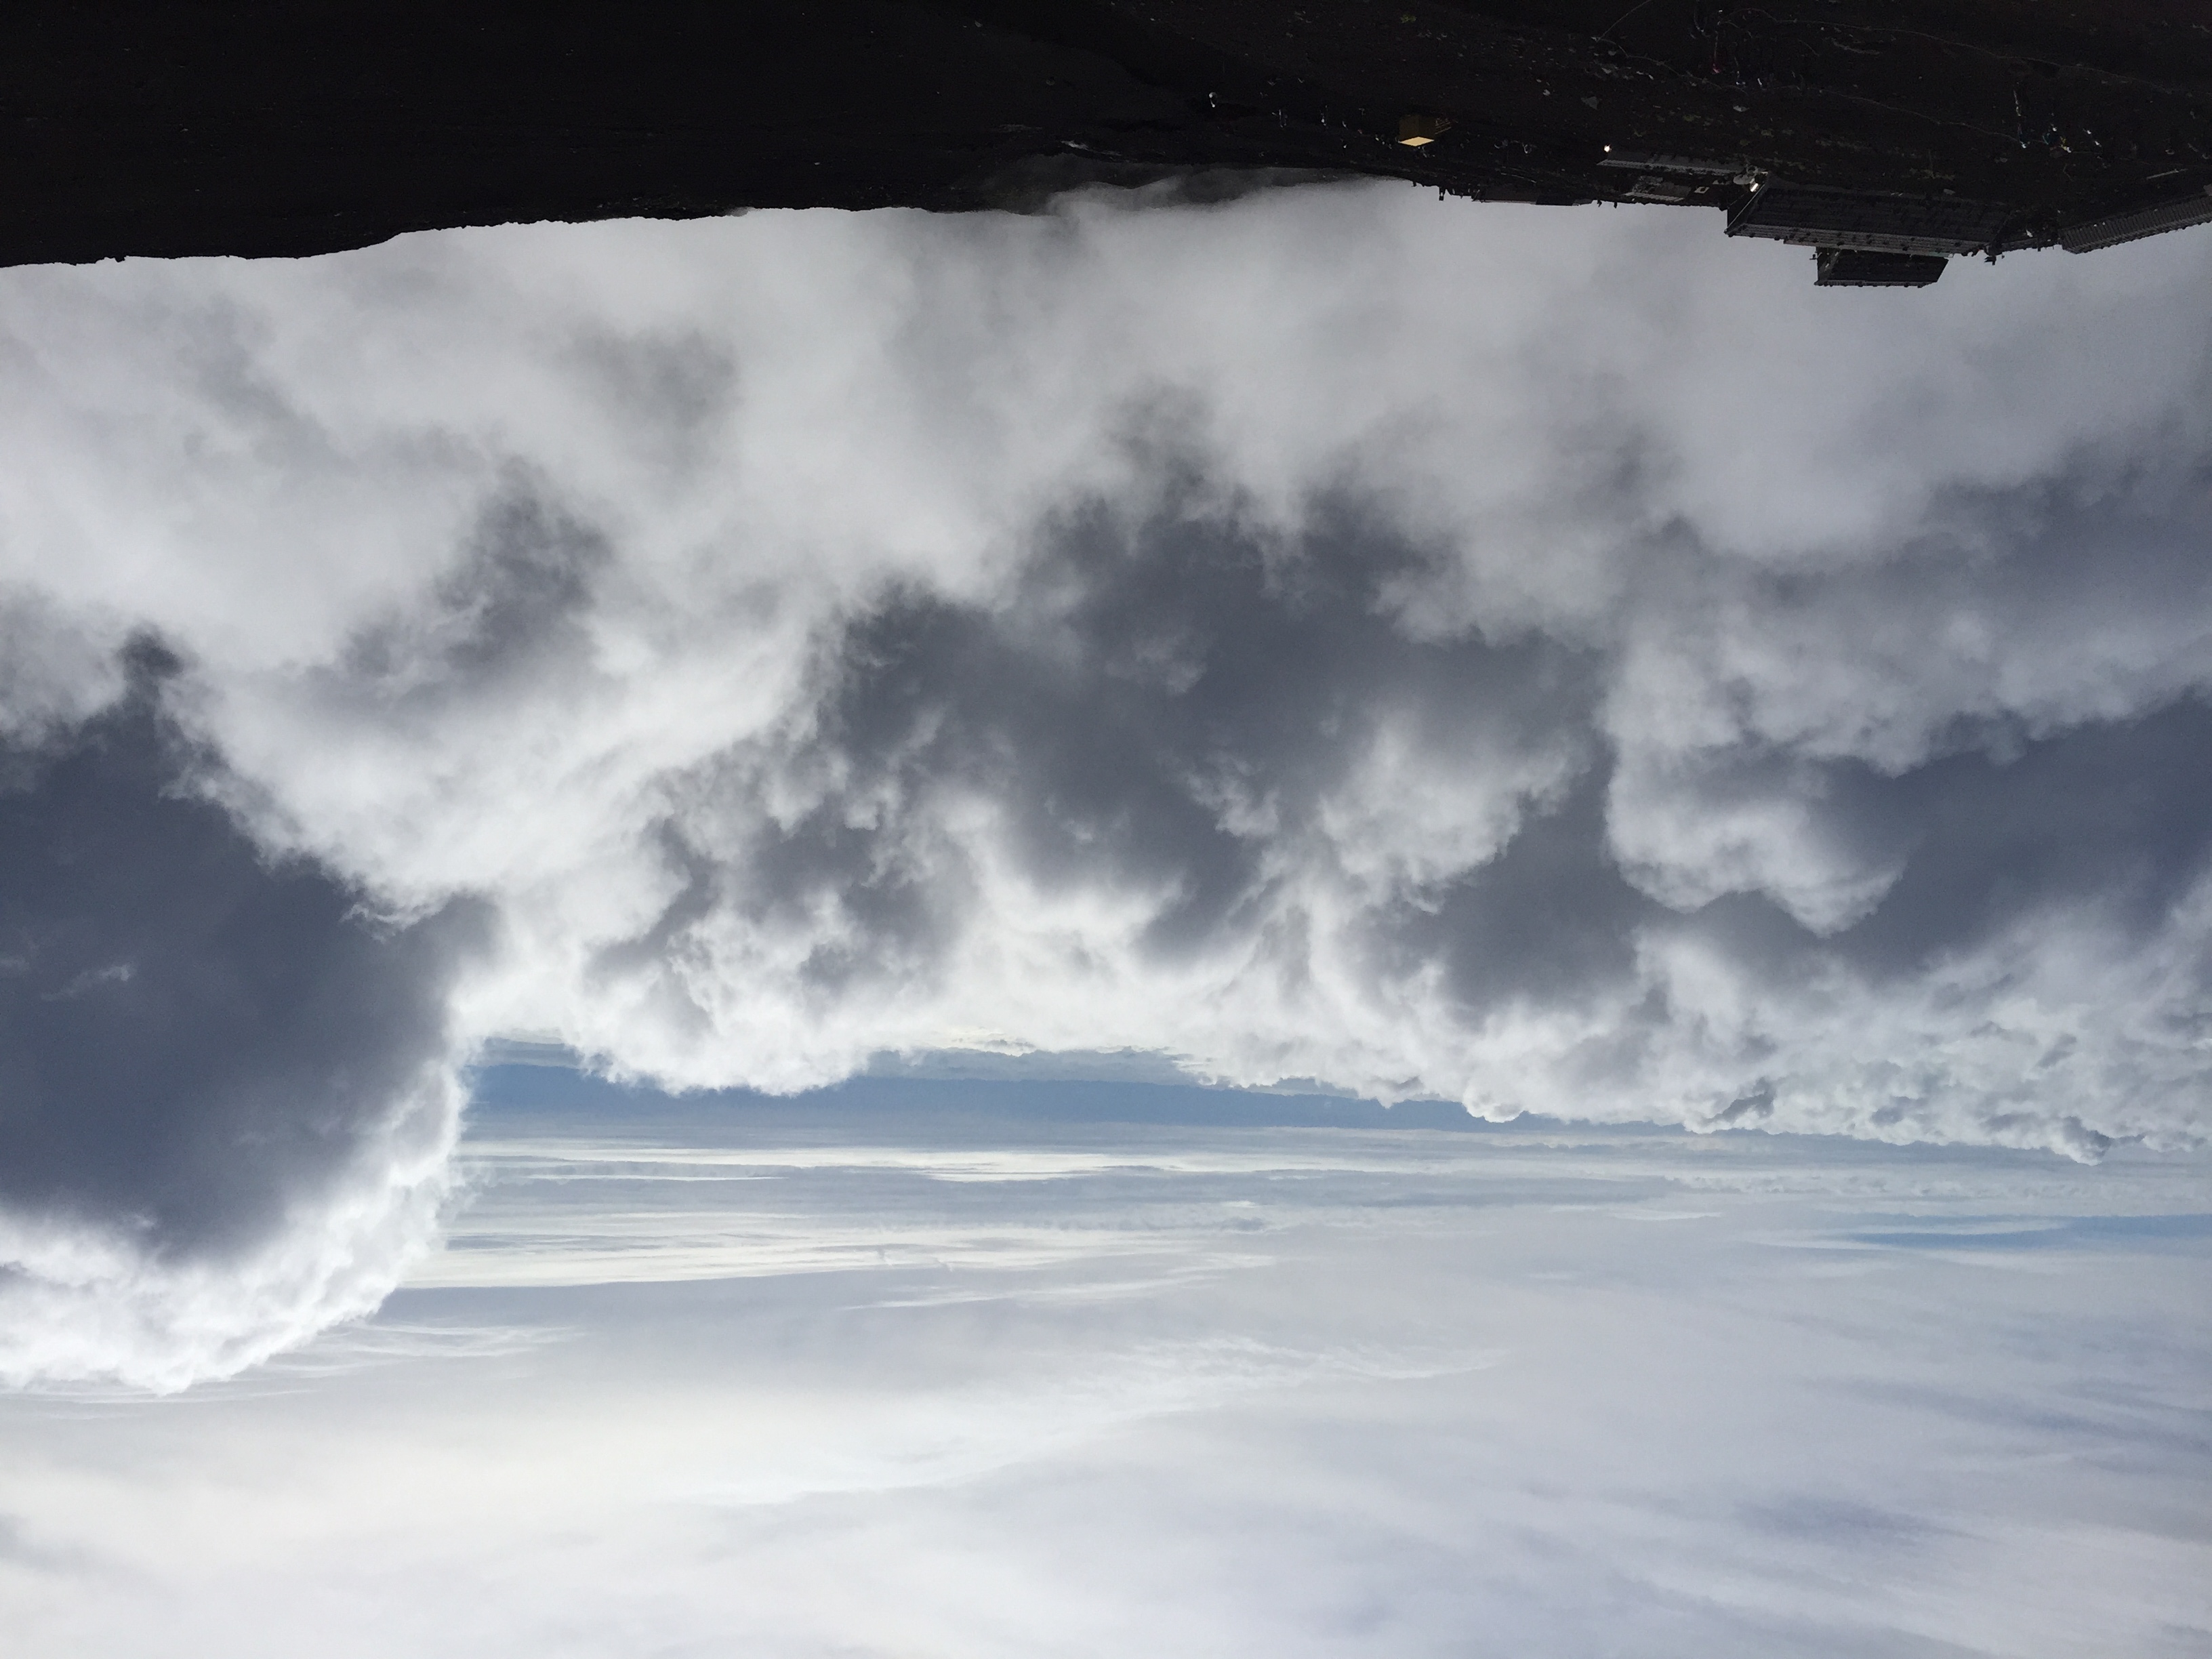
[[1553, 660], [1382, 1392]]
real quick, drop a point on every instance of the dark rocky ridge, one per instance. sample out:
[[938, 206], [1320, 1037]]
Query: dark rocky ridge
[[301, 126]]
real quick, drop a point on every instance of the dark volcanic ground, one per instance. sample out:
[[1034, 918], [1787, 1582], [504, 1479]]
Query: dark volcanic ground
[[300, 126]]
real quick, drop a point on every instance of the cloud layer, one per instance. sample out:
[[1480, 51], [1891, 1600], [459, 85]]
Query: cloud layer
[[1548, 659], [883, 1374]]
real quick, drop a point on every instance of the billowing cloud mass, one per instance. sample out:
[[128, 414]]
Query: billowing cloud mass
[[1555, 660], [213, 1070]]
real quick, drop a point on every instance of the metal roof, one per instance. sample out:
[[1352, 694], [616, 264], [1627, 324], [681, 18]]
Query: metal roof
[[2138, 222], [1815, 217], [1856, 267]]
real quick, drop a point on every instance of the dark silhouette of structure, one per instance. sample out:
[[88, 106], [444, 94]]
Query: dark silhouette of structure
[[1872, 127]]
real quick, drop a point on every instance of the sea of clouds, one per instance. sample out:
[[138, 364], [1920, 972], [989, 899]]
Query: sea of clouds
[[1554, 660], [910, 1372]]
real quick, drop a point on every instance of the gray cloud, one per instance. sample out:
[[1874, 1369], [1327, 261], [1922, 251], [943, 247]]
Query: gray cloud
[[1176, 716], [513, 604], [198, 1044], [1165, 708]]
